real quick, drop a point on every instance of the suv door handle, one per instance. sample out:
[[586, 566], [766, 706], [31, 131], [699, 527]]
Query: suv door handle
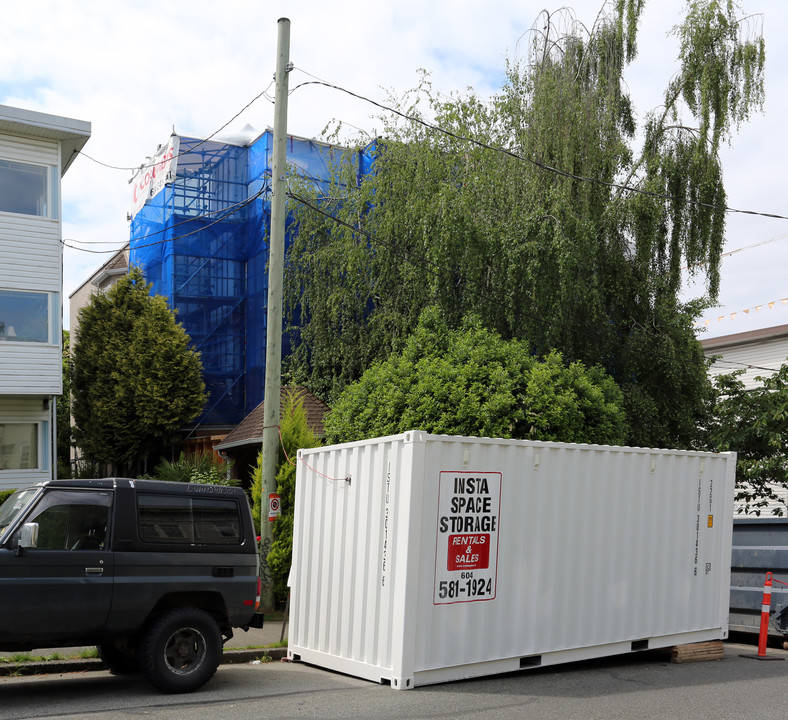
[[94, 571]]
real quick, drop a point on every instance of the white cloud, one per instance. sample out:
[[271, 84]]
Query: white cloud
[[136, 69]]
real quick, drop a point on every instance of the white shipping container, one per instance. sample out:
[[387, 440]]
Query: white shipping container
[[420, 559]]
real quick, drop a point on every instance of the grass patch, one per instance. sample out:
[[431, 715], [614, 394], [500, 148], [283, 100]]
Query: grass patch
[[279, 644], [25, 658], [22, 658]]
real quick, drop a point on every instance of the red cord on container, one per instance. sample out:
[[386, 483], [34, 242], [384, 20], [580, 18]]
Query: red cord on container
[[287, 457]]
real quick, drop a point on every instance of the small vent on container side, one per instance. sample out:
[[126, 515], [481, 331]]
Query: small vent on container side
[[639, 645], [531, 661]]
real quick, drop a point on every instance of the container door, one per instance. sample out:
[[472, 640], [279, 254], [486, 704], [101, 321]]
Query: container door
[[60, 590]]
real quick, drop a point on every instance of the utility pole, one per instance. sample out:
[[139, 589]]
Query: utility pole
[[273, 347]]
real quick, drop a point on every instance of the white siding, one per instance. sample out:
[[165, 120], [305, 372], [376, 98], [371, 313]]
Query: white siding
[[758, 359], [759, 353], [26, 149], [30, 253], [30, 248], [30, 368], [31, 258]]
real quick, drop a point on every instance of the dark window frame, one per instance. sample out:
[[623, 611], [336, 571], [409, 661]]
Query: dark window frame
[[188, 520]]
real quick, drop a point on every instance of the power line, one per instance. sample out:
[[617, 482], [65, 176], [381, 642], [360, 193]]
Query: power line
[[746, 366], [436, 267], [86, 250], [456, 136], [264, 93], [461, 138], [229, 211], [548, 168], [754, 245], [536, 163]]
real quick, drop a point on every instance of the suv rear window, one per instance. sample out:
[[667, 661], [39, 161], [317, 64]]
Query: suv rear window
[[186, 520]]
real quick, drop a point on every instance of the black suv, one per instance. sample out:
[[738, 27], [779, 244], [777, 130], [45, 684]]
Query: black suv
[[153, 573]]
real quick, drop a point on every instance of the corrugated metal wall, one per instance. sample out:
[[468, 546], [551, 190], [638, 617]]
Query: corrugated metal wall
[[597, 545], [349, 551], [760, 545], [441, 557]]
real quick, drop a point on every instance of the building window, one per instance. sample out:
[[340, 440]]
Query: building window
[[19, 446], [29, 317], [28, 189]]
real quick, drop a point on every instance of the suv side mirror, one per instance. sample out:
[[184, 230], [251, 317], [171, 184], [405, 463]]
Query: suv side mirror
[[28, 537]]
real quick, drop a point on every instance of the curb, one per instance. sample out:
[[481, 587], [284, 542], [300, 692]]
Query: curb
[[49, 667]]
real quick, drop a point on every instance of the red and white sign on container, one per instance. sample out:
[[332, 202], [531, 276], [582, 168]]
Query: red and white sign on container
[[466, 557], [154, 174], [423, 558]]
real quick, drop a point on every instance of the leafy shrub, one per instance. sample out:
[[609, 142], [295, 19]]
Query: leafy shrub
[[295, 435], [203, 468], [472, 382]]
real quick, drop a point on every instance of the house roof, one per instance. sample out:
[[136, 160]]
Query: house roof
[[250, 429], [72, 134], [118, 264], [744, 338]]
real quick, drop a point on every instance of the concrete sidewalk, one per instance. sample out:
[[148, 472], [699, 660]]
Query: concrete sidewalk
[[242, 647]]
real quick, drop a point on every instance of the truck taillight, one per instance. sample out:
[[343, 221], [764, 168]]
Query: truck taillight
[[259, 590]]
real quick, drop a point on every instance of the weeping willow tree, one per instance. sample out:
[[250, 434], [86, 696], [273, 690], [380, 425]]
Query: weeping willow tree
[[546, 211]]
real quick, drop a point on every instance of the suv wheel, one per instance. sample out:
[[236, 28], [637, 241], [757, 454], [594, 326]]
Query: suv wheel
[[181, 650]]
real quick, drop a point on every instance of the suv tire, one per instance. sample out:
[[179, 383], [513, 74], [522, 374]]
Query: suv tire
[[181, 650]]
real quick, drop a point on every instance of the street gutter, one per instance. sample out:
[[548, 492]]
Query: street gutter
[[72, 665]]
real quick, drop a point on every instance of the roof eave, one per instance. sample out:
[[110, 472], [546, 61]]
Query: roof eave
[[71, 133]]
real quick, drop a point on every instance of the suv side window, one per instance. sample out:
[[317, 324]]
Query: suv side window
[[188, 520], [72, 520]]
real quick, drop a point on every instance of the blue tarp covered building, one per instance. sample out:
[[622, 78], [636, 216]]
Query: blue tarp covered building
[[200, 232]]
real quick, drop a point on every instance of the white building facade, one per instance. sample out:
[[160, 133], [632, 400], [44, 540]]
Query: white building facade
[[36, 149], [759, 353]]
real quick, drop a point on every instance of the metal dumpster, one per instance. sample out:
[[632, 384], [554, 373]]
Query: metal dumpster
[[760, 545]]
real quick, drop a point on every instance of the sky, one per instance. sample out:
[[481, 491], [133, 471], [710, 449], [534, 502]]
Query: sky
[[137, 70]]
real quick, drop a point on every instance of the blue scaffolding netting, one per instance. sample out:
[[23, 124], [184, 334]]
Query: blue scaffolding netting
[[202, 241]]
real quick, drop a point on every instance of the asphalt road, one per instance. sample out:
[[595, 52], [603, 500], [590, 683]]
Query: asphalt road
[[639, 686]]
